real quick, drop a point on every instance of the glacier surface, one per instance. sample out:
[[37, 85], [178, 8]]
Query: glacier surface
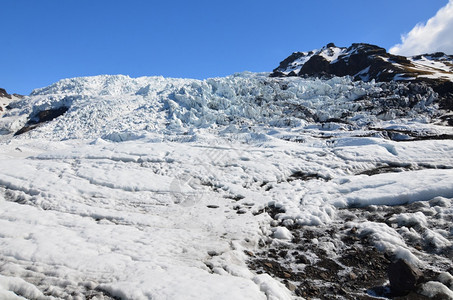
[[154, 188]]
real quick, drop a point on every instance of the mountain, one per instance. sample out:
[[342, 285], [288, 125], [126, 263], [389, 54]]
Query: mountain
[[249, 186], [368, 62]]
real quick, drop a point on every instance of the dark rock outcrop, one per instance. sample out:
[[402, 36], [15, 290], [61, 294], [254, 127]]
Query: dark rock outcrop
[[50, 114], [41, 117], [403, 277], [316, 65], [4, 94]]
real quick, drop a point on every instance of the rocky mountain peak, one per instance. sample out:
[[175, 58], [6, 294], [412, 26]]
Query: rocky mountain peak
[[4, 94], [360, 60]]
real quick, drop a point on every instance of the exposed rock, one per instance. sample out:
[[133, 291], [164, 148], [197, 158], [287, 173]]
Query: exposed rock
[[50, 114], [4, 94], [352, 267], [403, 277], [445, 89], [25, 129], [316, 65], [299, 175], [285, 64], [41, 117]]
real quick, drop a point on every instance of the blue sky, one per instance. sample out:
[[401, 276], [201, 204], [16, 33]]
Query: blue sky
[[47, 40]]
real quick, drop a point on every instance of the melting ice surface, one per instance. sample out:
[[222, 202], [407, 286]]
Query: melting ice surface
[[153, 188]]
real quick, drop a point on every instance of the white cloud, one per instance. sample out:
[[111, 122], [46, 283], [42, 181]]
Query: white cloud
[[436, 35]]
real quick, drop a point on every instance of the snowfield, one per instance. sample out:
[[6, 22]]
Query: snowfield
[[156, 188]]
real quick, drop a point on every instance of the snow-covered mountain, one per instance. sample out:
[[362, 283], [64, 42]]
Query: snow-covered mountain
[[251, 186], [368, 62]]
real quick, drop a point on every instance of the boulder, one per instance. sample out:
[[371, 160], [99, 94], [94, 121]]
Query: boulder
[[403, 277]]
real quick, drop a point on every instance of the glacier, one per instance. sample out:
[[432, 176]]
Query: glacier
[[157, 188]]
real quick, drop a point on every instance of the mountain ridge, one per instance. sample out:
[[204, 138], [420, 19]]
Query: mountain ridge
[[368, 62], [362, 85]]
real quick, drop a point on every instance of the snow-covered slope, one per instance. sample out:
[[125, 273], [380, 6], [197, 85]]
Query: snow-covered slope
[[155, 188], [436, 66]]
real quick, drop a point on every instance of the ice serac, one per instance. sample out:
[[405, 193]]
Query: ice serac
[[122, 108], [369, 62]]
